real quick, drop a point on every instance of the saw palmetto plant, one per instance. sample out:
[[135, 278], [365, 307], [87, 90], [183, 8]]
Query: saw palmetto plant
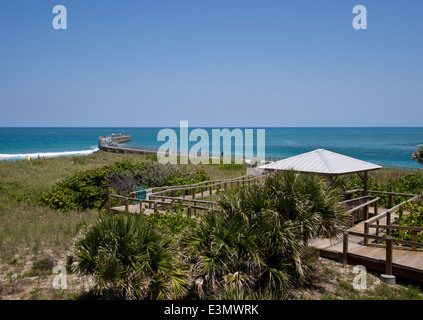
[[129, 259]]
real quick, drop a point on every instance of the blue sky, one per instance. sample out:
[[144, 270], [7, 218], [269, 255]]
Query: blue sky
[[230, 63]]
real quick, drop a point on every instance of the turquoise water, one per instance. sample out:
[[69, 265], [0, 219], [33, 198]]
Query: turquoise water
[[386, 146]]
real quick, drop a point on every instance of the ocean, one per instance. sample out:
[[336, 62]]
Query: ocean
[[384, 146]]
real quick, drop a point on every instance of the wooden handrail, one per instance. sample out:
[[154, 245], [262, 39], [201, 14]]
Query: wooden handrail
[[381, 238], [355, 199], [103, 203], [391, 210], [203, 182], [366, 204], [392, 193], [389, 240], [383, 226], [155, 202], [199, 184]]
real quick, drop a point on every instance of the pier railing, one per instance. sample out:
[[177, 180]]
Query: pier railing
[[117, 148]]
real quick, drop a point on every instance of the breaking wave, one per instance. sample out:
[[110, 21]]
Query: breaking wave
[[34, 155]]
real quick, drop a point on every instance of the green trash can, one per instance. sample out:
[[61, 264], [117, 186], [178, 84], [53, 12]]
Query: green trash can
[[140, 193]]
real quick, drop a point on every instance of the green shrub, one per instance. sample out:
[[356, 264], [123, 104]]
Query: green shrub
[[172, 221], [411, 184], [87, 189], [258, 238], [80, 191], [130, 259], [413, 218]]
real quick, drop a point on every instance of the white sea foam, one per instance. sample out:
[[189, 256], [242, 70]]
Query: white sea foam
[[34, 155]]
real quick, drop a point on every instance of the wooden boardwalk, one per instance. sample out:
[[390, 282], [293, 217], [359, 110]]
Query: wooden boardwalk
[[136, 208], [405, 263]]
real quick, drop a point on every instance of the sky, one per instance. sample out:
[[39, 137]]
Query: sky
[[232, 63]]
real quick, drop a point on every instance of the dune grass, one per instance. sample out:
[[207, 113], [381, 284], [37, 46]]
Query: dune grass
[[28, 226]]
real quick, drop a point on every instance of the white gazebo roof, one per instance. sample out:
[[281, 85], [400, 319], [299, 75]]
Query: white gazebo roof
[[322, 162]]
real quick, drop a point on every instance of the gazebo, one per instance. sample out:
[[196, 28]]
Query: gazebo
[[324, 162]]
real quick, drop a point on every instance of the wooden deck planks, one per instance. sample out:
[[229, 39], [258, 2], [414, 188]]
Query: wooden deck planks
[[406, 262]]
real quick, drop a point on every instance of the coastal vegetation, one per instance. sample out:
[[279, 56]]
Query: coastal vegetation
[[390, 181], [130, 259], [86, 189], [256, 246], [35, 236], [414, 217]]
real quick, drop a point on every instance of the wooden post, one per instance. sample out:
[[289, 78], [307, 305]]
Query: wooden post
[[366, 231], [345, 249], [126, 204], [155, 206], [202, 192], [389, 246], [193, 193], [366, 212], [388, 222], [109, 200], [376, 208], [183, 193], [414, 239], [189, 212], [365, 180]]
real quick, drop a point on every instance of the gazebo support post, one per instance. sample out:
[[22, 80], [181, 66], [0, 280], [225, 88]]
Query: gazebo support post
[[365, 180], [364, 177]]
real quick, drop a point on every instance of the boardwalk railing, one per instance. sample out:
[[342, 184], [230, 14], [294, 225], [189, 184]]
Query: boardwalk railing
[[387, 240], [165, 196], [389, 246], [153, 204], [358, 208], [191, 190], [374, 223]]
